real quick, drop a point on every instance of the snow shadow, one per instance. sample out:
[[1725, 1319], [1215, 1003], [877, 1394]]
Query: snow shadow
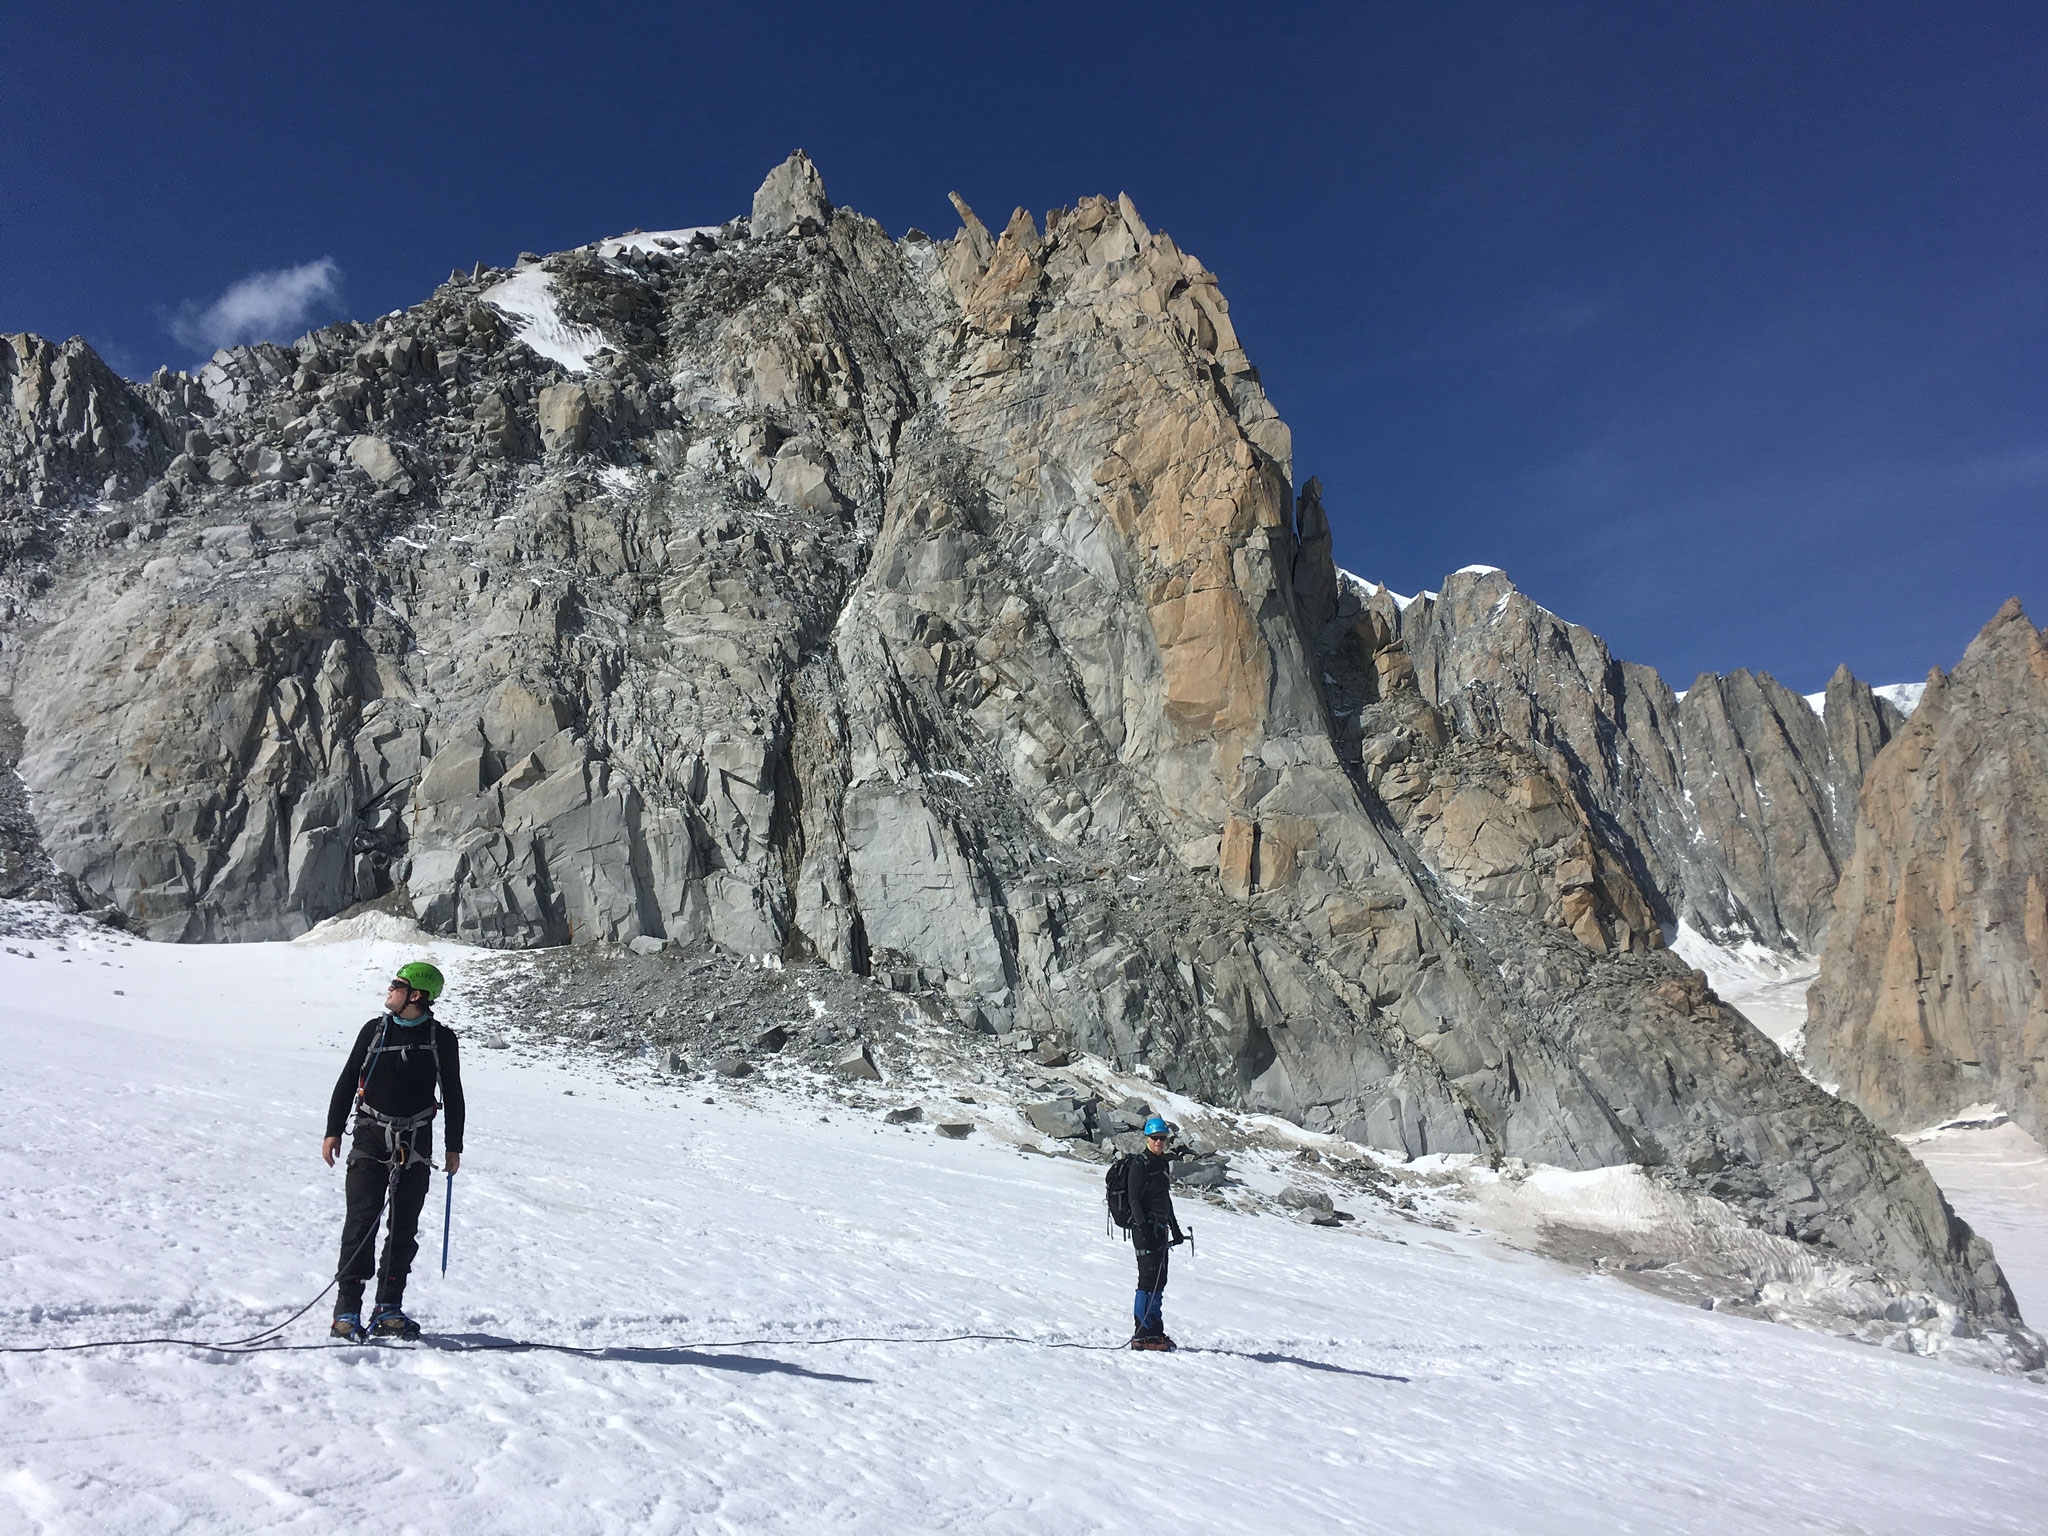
[[1268, 1358], [745, 1365]]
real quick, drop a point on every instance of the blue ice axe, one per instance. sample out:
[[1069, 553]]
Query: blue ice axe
[[447, 1215]]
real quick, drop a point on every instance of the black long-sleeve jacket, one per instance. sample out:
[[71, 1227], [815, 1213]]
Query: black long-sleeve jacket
[[399, 1076], [1151, 1193]]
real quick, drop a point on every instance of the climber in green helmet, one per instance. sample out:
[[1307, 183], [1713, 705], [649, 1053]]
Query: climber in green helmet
[[400, 1059]]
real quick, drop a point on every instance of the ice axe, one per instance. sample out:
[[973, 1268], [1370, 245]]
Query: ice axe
[[447, 1215]]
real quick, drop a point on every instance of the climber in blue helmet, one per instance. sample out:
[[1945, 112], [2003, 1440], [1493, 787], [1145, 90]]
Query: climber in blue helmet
[[1154, 1232]]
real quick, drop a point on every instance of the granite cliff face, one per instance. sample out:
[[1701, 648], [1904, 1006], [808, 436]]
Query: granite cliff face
[[1733, 808], [1933, 993], [940, 611]]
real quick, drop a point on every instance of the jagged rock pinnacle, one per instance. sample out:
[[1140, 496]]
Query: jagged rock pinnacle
[[793, 192]]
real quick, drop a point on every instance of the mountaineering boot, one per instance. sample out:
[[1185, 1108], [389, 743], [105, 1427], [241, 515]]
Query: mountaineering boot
[[1151, 1310], [388, 1322], [348, 1325]]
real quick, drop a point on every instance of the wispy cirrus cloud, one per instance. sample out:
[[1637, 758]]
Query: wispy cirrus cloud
[[264, 306]]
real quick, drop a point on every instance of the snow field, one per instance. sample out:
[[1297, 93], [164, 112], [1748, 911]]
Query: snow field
[[1993, 1173], [159, 1164], [1996, 1176], [1769, 987]]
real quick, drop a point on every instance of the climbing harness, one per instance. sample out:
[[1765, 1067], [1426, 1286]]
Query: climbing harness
[[398, 1133]]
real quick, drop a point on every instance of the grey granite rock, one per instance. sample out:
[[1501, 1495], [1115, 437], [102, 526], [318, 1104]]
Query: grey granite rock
[[857, 1062], [1730, 808], [373, 455], [1063, 1118], [564, 412], [1007, 682]]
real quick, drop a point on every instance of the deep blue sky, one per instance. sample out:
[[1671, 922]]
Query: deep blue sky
[[1722, 327]]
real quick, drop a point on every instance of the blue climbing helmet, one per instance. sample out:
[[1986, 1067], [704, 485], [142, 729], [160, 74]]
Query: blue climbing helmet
[[1156, 1127]]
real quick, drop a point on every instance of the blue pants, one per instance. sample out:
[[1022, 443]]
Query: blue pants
[[1147, 1307]]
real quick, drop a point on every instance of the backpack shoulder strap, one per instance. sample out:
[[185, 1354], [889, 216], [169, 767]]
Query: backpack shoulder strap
[[370, 1056]]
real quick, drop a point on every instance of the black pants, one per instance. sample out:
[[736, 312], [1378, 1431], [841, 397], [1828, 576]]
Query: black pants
[[369, 1173], [1152, 1264]]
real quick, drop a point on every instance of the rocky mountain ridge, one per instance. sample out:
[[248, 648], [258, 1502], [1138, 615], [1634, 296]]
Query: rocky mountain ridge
[[936, 611], [1733, 805]]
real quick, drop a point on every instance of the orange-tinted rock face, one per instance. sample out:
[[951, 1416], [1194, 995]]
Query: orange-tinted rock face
[[1933, 992], [1215, 662]]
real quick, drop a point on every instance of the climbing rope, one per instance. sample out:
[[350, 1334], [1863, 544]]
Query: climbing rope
[[263, 1343], [257, 1342]]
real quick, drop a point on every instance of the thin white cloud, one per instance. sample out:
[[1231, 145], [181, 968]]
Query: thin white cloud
[[264, 306]]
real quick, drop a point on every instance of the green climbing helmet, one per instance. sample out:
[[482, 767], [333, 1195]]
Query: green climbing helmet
[[422, 977]]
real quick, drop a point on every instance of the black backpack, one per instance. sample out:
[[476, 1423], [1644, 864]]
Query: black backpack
[[1116, 1189]]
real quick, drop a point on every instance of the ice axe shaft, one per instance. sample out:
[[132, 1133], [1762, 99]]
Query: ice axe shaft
[[447, 1216]]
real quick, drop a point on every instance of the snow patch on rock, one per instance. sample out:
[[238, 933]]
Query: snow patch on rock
[[1905, 697], [649, 241], [385, 927], [528, 297], [1368, 588]]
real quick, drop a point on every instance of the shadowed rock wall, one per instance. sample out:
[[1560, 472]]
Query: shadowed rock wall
[[1933, 993]]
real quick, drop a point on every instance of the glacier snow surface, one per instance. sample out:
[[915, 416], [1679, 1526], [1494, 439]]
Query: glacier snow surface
[[158, 1160]]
